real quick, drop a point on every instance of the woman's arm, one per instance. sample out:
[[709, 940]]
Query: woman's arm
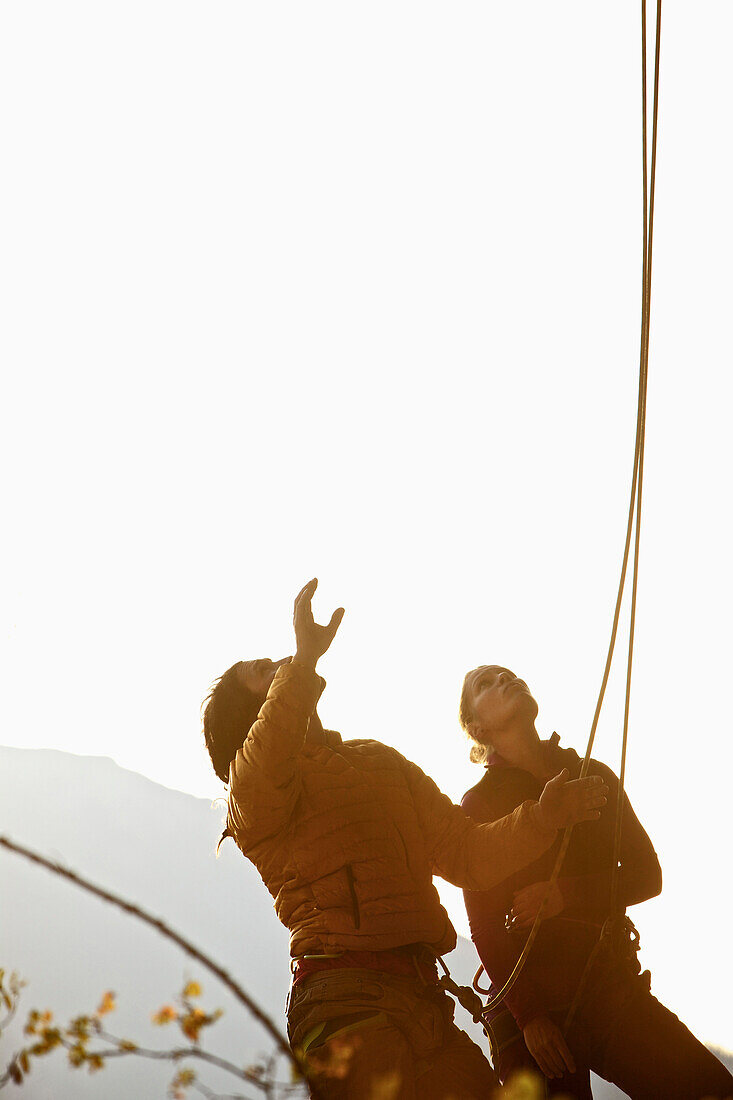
[[640, 875], [588, 896]]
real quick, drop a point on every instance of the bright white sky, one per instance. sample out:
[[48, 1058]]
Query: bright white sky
[[352, 290]]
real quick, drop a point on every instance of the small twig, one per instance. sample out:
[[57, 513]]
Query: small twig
[[210, 1094], [164, 930], [8, 1017], [176, 1055]]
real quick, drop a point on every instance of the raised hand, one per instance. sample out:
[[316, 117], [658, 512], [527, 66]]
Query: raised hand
[[547, 1046], [312, 640], [566, 801]]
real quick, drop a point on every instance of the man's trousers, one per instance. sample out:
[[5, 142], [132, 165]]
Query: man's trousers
[[366, 1035]]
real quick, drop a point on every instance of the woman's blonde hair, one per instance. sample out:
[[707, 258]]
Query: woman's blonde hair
[[480, 752]]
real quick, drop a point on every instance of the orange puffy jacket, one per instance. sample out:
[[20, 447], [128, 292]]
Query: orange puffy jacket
[[348, 834]]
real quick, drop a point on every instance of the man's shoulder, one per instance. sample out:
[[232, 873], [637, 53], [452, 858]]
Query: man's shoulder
[[353, 750], [367, 746], [375, 756]]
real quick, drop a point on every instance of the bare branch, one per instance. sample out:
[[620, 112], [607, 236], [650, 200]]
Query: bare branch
[[161, 927], [8, 1017], [210, 1094], [176, 1055]]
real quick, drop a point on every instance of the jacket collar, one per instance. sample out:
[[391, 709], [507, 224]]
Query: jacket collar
[[330, 738], [498, 761]]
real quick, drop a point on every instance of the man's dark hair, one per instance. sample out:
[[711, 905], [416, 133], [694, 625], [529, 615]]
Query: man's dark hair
[[228, 712]]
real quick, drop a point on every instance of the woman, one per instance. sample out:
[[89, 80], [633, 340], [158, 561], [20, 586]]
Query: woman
[[618, 1030]]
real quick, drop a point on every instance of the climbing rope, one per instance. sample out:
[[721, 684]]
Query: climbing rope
[[616, 927], [649, 191], [633, 526]]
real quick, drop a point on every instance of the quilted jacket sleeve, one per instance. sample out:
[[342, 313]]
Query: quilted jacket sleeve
[[470, 855], [264, 782], [499, 949]]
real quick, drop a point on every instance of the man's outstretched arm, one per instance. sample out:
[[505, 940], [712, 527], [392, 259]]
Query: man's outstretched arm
[[264, 780], [477, 857]]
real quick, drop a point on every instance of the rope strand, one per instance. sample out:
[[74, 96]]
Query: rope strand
[[632, 526], [648, 220], [644, 372]]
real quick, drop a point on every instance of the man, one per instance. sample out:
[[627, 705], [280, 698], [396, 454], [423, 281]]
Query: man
[[347, 836], [617, 1028]]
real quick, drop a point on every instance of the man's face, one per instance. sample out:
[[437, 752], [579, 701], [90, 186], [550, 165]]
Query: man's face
[[499, 699], [257, 675]]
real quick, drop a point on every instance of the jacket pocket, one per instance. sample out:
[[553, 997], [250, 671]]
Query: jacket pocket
[[352, 891]]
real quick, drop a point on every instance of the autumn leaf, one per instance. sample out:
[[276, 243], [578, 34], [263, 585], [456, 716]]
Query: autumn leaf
[[192, 989], [107, 1004], [49, 1038], [79, 1028], [164, 1015], [192, 1023], [333, 1059], [126, 1044], [523, 1086], [182, 1080]]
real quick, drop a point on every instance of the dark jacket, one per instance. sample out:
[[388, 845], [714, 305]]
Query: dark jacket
[[557, 959]]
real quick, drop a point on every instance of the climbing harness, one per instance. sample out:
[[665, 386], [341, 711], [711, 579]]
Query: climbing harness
[[633, 526], [619, 938], [465, 996]]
